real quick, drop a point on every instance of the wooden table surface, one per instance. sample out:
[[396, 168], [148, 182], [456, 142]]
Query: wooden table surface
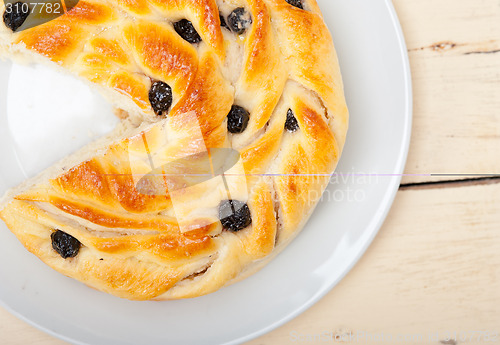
[[434, 269]]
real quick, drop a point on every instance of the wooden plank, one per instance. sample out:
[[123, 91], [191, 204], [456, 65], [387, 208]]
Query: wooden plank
[[454, 48], [433, 268], [15, 332]]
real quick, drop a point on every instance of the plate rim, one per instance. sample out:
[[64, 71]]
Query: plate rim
[[388, 199], [374, 226]]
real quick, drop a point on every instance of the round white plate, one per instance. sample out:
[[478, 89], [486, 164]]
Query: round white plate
[[44, 116]]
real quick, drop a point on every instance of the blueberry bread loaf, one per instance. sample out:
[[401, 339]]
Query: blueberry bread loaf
[[152, 211]]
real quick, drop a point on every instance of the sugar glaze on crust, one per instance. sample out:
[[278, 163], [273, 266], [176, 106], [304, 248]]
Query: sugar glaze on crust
[[132, 244]]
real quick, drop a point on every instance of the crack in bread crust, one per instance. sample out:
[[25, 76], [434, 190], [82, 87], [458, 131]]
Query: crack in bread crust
[[140, 245]]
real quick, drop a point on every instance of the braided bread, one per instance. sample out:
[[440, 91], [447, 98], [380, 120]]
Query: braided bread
[[235, 118]]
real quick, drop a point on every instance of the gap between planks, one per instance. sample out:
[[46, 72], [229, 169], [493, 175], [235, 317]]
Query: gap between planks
[[467, 182]]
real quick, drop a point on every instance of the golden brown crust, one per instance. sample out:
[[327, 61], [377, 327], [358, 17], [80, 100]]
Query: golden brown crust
[[137, 242]]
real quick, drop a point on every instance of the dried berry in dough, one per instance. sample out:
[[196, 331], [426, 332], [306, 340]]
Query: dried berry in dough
[[233, 118]]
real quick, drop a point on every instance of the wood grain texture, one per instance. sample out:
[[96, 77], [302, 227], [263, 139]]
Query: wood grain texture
[[454, 49], [434, 266]]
